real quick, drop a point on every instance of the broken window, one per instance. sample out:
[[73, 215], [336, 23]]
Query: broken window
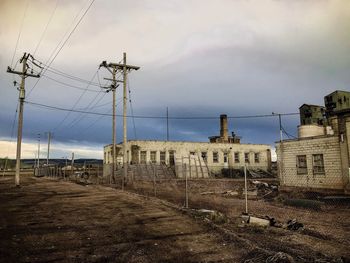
[[204, 156], [236, 157], [256, 157], [153, 156], [318, 163], [246, 157], [215, 157], [162, 157], [225, 157], [301, 164], [143, 156], [172, 157]]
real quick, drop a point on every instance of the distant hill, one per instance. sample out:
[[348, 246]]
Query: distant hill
[[11, 163]]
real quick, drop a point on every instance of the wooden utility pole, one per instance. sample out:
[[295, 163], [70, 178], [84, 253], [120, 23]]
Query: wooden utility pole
[[38, 154], [123, 68], [72, 165], [23, 75], [48, 147], [112, 88], [167, 124]]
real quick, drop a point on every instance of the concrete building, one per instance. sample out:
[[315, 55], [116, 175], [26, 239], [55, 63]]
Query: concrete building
[[319, 158], [221, 152], [312, 114]]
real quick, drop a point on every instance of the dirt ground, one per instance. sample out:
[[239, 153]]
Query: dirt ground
[[324, 238], [46, 220], [51, 220]]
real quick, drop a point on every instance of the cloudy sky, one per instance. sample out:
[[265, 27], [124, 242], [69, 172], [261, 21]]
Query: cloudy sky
[[199, 58]]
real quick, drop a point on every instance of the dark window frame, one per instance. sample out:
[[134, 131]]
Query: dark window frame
[[301, 169], [318, 168]]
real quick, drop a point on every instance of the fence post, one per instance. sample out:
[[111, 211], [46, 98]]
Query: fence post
[[154, 180], [246, 190], [186, 187]]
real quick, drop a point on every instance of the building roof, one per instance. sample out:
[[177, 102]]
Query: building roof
[[209, 143], [311, 105], [338, 91]]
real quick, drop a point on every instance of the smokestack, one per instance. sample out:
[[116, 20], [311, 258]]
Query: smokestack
[[223, 127]]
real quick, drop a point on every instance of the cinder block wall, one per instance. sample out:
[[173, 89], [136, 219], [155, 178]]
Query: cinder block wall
[[287, 163]]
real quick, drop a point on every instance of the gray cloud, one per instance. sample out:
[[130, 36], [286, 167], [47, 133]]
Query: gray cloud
[[199, 58]]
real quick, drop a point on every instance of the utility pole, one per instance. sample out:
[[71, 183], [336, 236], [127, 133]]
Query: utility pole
[[38, 151], [280, 166], [280, 124], [112, 88], [21, 98], [167, 124], [123, 68], [48, 147], [72, 166]]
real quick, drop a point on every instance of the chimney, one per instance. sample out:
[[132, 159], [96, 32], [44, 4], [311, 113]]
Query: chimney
[[223, 127]]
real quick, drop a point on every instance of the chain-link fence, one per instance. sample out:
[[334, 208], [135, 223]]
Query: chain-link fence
[[232, 193]]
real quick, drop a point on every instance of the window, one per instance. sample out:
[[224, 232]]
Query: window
[[215, 157], [192, 153], [318, 164], [236, 157], [225, 157], [153, 156], [301, 164], [172, 157], [143, 156], [162, 157], [246, 157], [204, 156], [256, 157]]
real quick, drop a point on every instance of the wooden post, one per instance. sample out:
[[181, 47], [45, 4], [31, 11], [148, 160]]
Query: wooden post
[[246, 190]]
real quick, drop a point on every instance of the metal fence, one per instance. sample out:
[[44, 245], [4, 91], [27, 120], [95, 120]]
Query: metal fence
[[233, 193]]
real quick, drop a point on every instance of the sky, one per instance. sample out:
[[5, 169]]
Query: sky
[[198, 58]]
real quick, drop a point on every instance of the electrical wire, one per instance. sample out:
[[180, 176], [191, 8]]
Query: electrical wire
[[132, 111], [288, 134], [20, 32], [70, 85], [82, 116], [12, 135], [76, 103], [156, 117], [66, 75], [52, 59], [47, 25]]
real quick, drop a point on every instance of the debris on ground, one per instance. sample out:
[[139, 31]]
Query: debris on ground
[[258, 221], [265, 190], [231, 193], [293, 224], [212, 215], [280, 257]]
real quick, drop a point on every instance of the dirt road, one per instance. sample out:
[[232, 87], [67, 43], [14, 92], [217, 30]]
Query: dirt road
[[54, 221]]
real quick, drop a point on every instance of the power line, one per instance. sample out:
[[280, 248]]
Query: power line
[[70, 85], [132, 111], [81, 117], [51, 60], [47, 25], [288, 134], [66, 75], [157, 117], [75, 104], [20, 31]]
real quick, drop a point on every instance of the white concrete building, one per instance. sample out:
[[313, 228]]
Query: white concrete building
[[222, 152], [319, 157]]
